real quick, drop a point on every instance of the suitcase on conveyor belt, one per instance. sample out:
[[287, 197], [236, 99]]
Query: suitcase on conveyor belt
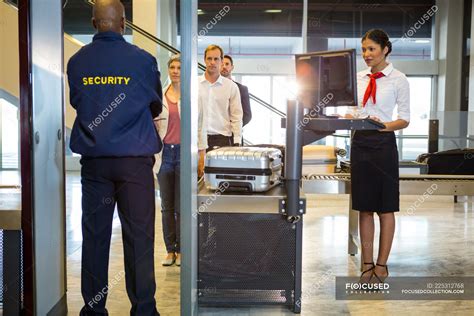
[[250, 169], [277, 146], [449, 162], [318, 159]]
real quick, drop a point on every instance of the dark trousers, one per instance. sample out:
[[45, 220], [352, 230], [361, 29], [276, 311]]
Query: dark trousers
[[218, 141], [127, 182], [168, 178]]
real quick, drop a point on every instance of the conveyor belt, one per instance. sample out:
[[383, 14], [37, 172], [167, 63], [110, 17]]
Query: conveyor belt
[[339, 183], [421, 185], [335, 176], [408, 177]]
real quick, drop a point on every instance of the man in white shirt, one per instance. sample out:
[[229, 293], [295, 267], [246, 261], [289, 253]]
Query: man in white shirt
[[220, 100]]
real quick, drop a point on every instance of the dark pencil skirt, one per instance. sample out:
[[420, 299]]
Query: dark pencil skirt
[[374, 172]]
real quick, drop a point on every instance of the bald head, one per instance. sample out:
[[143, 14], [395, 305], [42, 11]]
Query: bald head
[[109, 15]]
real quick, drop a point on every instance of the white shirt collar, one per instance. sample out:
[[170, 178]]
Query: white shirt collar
[[218, 81], [202, 78], [386, 71]]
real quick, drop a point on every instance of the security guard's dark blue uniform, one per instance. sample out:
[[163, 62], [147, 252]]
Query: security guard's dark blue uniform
[[115, 88]]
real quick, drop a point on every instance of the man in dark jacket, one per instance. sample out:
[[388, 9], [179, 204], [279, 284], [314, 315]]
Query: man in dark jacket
[[116, 91], [226, 71]]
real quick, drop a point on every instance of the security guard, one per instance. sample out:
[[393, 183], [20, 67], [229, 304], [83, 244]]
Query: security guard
[[115, 88]]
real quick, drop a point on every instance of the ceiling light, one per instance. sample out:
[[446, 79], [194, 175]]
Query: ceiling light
[[273, 11], [200, 12]]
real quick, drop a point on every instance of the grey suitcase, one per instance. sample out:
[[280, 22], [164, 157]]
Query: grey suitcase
[[251, 169]]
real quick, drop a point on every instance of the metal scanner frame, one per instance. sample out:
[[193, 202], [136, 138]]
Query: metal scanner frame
[[284, 199], [288, 199]]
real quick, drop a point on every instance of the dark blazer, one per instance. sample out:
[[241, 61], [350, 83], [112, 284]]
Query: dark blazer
[[245, 100]]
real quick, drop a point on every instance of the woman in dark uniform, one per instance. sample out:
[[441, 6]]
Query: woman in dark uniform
[[374, 154]]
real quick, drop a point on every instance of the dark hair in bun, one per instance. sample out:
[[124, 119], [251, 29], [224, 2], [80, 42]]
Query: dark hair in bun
[[380, 37]]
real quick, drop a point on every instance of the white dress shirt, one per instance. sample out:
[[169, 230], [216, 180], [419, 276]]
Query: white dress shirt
[[221, 101], [393, 90]]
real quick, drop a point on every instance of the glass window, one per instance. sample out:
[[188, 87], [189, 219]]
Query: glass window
[[250, 29], [260, 86], [420, 105], [9, 135], [284, 88], [255, 47], [265, 126], [341, 26], [259, 130]]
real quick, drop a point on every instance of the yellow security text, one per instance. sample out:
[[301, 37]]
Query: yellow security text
[[105, 80]]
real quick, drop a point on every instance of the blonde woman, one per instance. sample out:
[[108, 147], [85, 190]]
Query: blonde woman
[[169, 128]]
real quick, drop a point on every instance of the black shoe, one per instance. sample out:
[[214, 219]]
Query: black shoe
[[85, 311], [381, 279], [366, 271]]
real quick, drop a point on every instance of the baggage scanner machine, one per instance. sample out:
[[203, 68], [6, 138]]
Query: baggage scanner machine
[[250, 244]]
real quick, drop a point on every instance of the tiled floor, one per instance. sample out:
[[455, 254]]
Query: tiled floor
[[437, 239]]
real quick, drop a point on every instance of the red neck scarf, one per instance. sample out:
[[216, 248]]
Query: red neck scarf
[[372, 87]]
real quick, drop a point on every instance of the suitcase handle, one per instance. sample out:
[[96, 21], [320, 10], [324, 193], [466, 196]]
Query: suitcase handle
[[273, 159], [237, 186]]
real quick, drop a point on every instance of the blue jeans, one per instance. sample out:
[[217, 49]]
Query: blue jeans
[[168, 178]]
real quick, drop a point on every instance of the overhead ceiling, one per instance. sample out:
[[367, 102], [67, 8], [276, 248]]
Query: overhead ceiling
[[339, 18]]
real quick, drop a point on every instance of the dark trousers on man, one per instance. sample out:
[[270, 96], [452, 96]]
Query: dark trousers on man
[[215, 141], [127, 182], [168, 178]]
